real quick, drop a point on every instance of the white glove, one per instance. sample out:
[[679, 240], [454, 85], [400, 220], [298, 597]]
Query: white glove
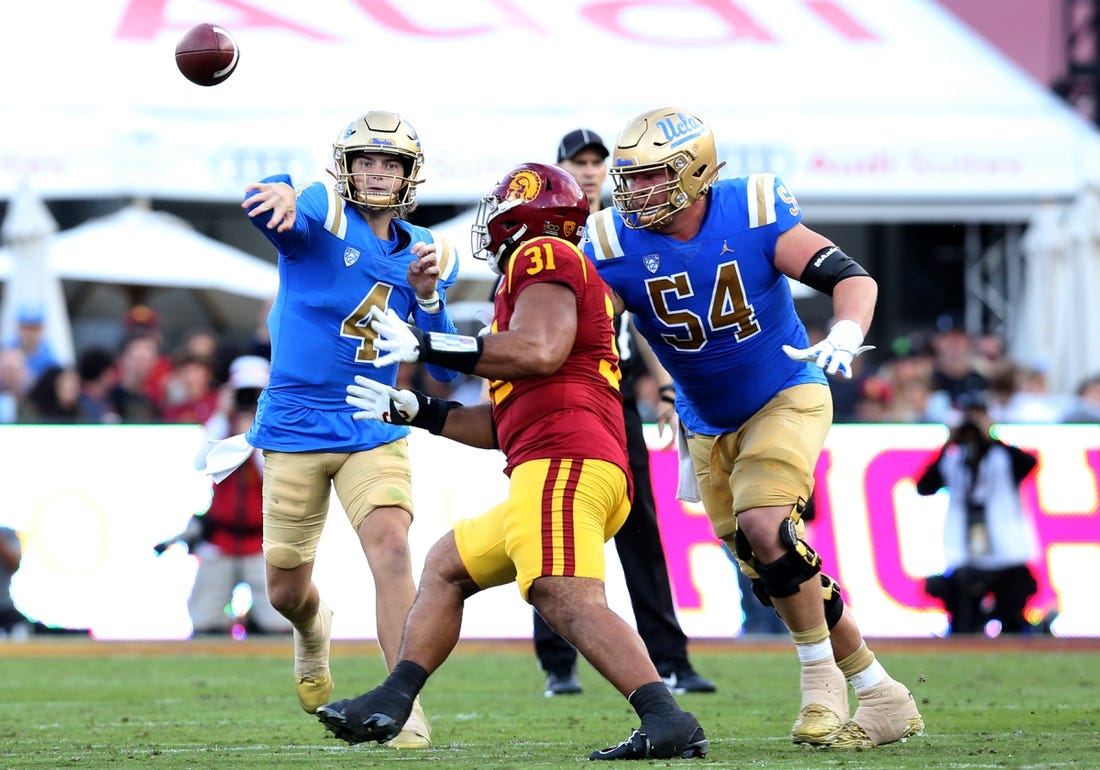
[[836, 352], [395, 337], [376, 401]]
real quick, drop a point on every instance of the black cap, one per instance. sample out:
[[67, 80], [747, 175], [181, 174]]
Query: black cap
[[579, 139]]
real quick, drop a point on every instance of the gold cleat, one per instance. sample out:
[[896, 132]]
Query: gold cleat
[[886, 713], [416, 733], [816, 725], [312, 680], [313, 692]]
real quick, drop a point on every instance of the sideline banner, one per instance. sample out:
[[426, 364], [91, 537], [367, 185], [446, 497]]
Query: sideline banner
[[91, 501]]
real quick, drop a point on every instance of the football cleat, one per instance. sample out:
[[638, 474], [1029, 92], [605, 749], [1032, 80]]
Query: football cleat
[[667, 737], [417, 732], [886, 713], [684, 679], [312, 680], [562, 683], [377, 716]]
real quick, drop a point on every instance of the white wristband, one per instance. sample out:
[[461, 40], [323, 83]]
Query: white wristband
[[431, 304]]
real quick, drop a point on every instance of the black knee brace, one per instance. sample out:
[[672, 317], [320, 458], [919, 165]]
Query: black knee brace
[[834, 605], [783, 576]]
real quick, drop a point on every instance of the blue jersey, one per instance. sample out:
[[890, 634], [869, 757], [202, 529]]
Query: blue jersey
[[334, 275], [715, 310]]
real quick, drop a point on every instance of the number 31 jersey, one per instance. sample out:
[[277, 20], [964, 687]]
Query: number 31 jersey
[[715, 310]]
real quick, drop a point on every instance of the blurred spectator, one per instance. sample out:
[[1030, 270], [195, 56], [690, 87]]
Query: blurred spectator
[[30, 337], [54, 398], [1032, 400], [954, 372], [12, 623], [875, 402], [987, 539], [228, 538], [15, 381], [911, 378], [142, 319], [96, 367], [1086, 406], [129, 398], [189, 394]]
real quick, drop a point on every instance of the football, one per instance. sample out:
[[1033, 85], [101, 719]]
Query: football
[[207, 54]]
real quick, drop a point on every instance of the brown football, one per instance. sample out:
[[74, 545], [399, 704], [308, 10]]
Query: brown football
[[207, 54]]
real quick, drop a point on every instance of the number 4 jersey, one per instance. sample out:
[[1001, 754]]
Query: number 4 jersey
[[715, 310]]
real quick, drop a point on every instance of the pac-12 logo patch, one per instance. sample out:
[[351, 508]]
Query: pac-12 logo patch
[[651, 262], [351, 256]]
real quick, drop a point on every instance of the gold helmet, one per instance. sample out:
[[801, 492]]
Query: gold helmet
[[667, 139], [379, 132]]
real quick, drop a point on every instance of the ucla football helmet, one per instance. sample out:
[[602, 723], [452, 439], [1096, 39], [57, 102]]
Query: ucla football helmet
[[532, 199], [668, 140], [379, 132]]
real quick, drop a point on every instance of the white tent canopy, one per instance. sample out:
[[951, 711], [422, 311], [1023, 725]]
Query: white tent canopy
[[867, 109], [135, 247]]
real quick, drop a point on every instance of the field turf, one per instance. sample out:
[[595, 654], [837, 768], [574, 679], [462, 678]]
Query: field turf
[[77, 703]]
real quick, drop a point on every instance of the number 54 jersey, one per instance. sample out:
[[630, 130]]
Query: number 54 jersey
[[715, 310]]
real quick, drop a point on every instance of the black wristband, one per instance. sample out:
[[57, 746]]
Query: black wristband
[[667, 393], [457, 352], [431, 413]]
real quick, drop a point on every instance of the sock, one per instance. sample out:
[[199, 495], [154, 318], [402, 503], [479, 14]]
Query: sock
[[653, 698], [407, 678], [812, 644], [868, 677]]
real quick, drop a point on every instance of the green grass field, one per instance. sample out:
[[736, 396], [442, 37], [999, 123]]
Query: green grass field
[[75, 703]]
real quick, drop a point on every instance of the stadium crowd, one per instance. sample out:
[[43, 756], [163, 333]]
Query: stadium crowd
[[916, 379]]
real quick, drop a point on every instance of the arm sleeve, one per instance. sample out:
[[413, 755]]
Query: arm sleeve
[[1023, 462], [931, 481]]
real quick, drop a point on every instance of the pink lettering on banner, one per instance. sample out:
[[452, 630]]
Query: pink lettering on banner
[[885, 473], [836, 17], [680, 530], [739, 26], [881, 478], [145, 19]]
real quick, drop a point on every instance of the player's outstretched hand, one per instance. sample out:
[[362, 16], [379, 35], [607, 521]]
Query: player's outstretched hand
[[836, 352], [376, 401], [396, 338]]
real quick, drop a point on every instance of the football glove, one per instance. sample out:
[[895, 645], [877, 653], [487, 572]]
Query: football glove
[[397, 339], [376, 401], [836, 352]]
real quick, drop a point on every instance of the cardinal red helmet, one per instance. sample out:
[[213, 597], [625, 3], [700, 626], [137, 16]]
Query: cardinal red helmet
[[531, 200]]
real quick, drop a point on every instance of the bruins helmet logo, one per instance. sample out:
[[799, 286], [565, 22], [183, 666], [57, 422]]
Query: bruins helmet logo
[[525, 186]]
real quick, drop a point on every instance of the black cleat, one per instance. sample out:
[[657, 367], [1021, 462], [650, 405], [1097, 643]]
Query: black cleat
[[377, 716], [684, 679], [563, 682], [666, 737]]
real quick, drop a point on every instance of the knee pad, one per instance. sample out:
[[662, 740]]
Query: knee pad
[[283, 557], [834, 605], [785, 575]]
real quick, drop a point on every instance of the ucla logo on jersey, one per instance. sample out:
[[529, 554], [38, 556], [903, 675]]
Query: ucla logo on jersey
[[351, 256], [680, 128], [651, 262]]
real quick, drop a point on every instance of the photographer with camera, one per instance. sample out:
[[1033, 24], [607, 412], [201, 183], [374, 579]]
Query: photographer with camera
[[988, 542], [228, 538]]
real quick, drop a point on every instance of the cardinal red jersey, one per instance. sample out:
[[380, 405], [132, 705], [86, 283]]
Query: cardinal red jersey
[[576, 412]]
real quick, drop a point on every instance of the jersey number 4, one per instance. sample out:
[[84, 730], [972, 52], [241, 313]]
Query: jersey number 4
[[357, 323], [729, 308]]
